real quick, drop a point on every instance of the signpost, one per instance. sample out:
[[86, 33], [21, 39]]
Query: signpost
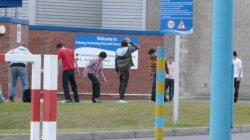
[[176, 18]]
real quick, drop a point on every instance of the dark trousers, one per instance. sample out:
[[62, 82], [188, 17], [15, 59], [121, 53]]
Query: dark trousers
[[96, 86], [236, 89], [124, 77], [68, 76], [170, 83], [153, 93]]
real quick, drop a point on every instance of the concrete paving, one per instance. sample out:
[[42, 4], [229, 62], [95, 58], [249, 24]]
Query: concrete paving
[[176, 134], [235, 136]]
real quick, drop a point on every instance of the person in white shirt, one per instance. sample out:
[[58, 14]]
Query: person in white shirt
[[238, 74], [18, 69], [170, 77]]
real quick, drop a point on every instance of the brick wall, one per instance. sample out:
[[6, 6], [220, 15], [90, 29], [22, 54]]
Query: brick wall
[[44, 42]]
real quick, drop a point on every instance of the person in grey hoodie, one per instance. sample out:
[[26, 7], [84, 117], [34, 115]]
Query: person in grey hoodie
[[123, 62], [18, 69]]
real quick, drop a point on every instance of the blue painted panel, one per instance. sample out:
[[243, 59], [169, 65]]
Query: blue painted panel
[[14, 20], [159, 122], [176, 16], [10, 3], [95, 30], [159, 99]]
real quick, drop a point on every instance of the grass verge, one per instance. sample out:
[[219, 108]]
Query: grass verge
[[88, 117]]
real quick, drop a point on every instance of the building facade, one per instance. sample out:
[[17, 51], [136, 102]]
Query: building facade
[[105, 14], [195, 57]]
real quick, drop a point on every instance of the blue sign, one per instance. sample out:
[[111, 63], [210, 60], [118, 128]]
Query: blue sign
[[89, 46], [176, 16], [10, 3]]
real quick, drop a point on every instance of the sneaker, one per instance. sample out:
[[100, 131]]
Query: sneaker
[[11, 98], [68, 101], [166, 100], [65, 101], [122, 101], [97, 100]]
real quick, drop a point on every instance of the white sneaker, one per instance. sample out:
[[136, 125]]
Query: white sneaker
[[122, 101]]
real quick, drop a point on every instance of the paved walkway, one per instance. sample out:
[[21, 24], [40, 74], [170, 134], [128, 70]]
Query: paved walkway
[[239, 133], [236, 136]]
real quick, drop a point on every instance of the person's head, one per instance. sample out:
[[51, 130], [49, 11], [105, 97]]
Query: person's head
[[102, 55], [234, 54], [23, 45], [124, 43], [59, 46], [151, 51], [170, 59]]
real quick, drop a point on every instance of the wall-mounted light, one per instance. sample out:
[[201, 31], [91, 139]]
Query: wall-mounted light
[[2, 30]]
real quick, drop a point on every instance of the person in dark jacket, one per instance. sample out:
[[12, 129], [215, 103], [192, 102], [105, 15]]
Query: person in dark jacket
[[123, 62]]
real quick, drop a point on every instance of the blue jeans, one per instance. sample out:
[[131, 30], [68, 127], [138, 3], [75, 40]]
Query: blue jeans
[[15, 73]]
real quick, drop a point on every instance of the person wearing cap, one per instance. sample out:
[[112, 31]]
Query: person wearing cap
[[123, 62], [67, 58], [18, 69], [238, 74], [94, 71]]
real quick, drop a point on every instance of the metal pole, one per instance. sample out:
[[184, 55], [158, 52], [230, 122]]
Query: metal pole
[[221, 80], [35, 101], [50, 97], [176, 79], [160, 90]]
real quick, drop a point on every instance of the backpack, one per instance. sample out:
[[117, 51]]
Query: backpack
[[27, 95]]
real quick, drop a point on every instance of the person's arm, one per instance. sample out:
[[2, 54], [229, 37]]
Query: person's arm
[[116, 65], [59, 61], [239, 74], [240, 71], [60, 65], [102, 74], [166, 67], [134, 46], [152, 68], [77, 68]]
